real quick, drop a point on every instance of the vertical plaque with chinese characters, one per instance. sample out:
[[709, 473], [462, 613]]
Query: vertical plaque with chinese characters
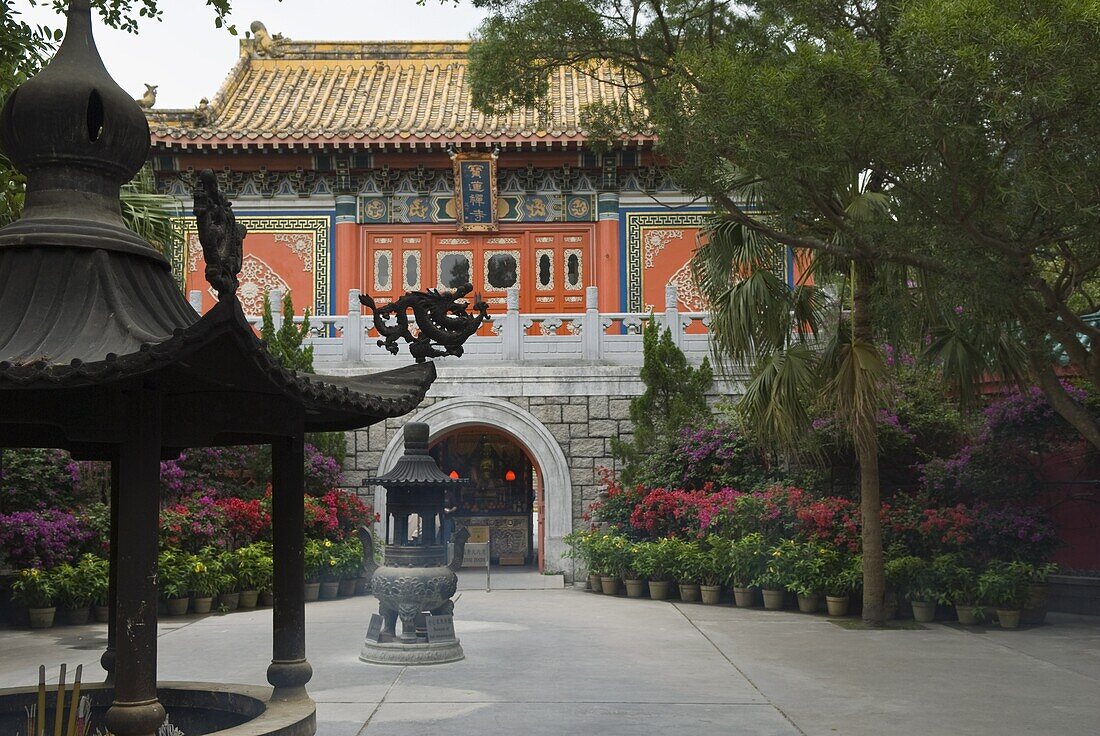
[[476, 191]]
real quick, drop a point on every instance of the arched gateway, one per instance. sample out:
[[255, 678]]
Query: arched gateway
[[449, 415]]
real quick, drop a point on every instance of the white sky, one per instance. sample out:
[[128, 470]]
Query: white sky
[[188, 58]]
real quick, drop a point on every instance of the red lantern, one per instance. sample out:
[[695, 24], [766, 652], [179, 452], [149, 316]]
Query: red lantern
[[454, 474], [510, 475]]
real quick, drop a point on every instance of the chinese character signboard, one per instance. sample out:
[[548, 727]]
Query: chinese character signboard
[[476, 190]]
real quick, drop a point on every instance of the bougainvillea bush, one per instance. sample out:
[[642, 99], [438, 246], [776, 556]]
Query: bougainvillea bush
[[42, 539]]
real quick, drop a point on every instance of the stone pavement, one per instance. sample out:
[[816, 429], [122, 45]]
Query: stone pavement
[[550, 662]]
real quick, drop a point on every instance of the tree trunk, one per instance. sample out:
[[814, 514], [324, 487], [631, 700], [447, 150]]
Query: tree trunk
[[865, 436]]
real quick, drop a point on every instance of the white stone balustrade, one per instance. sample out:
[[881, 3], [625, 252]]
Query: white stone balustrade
[[344, 342]]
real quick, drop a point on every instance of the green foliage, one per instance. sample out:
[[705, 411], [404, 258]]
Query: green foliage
[[609, 554], [747, 560], [315, 559], [912, 576], [211, 573], [285, 344], [654, 560], [255, 566], [96, 572], [73, 589], [954, 582], [35, 479], [35, 588], [174, 574], [1005, 585], [674, 396]]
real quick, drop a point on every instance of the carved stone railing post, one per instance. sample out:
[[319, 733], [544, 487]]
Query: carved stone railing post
[[353, 329], [512, 331], [194, 298], [591, 332], [275, 301], [672, 314]]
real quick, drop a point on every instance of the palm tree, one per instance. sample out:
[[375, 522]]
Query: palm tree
[[780, 334]]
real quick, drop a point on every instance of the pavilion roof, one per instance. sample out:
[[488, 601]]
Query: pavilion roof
[[324, 93]]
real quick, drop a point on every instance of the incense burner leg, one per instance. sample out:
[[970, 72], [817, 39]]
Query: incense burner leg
[[408, 622]]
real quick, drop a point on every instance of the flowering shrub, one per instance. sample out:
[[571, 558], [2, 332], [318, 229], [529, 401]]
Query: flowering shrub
[[41, 538], [349, 510], [831, 519], [245, 521], [195, 522], [1010, 533], [682, 514], [323, 473], [39, 479]]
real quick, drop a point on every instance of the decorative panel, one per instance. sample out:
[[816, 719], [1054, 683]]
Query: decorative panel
[[501, 269], [453, 268], [411, 272], [573, 279], [383, 270], [544, 269], [285, 252]]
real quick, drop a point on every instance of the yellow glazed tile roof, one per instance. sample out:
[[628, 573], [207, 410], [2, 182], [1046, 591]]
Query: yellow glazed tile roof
[[385, 93]]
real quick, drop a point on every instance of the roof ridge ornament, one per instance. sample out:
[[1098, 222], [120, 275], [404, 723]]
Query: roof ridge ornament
[[221, 237], [442, 322]]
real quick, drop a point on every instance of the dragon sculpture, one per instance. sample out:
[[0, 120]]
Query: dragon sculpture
[[221, 237], [441, 320]]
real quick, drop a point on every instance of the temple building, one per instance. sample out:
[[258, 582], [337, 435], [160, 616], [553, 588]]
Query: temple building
[[364, 166]]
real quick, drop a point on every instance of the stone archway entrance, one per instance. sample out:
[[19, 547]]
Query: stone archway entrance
[[522, 427]]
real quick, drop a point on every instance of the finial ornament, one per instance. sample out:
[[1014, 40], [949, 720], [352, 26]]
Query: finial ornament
[[148, 99], [441, 319], [221, 237]]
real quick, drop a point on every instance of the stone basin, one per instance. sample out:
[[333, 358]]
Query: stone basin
[[196, 708]]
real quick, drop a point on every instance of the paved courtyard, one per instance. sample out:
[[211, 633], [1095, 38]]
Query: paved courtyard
[[543, 662]]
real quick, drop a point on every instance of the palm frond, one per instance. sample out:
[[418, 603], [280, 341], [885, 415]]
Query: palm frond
[[149, 214], [777, 396]]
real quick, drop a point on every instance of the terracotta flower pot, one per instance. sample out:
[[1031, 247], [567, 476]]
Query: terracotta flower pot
[[774, 599], [838, 604], [711, 594], [267, 598], [594, 582], [204, 604], [41, 618], [1008, 619], [347, 587], [248, 598], [967, 614], [658, 589], [808, 603], [229, 600], [329, 589], [178, 606], [744, 597], [689, 592], [103, 614], [924, 612], [609, 585], [77, 616], [313, 591], [635, 588]]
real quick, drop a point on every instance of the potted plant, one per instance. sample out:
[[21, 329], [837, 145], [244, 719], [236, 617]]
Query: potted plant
[[229, 595], [579, 544], [208, 579], [73, 594], [330, 570], [777, 573], [843, 579], [652, 561], [174, 579], [957, 585], [690, 566], [35, 589], [632, 579], [254, 572], [808, 573], [350, 556], [746, 563], [1005, 586], [715, 568], [1035, 610], [914, 576], [314, 560], [96, 572]]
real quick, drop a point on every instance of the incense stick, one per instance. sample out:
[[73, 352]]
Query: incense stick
[[70, 729], [59, 710], [40, 716]]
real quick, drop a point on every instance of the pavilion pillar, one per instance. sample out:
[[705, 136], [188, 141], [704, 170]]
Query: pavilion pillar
[[607, 252], [109, 655], [348, 264], [136, 710], [289, 670]]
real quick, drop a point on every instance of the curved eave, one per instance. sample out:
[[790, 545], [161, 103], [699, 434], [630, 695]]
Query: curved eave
[[359, 141], [220, 352]]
